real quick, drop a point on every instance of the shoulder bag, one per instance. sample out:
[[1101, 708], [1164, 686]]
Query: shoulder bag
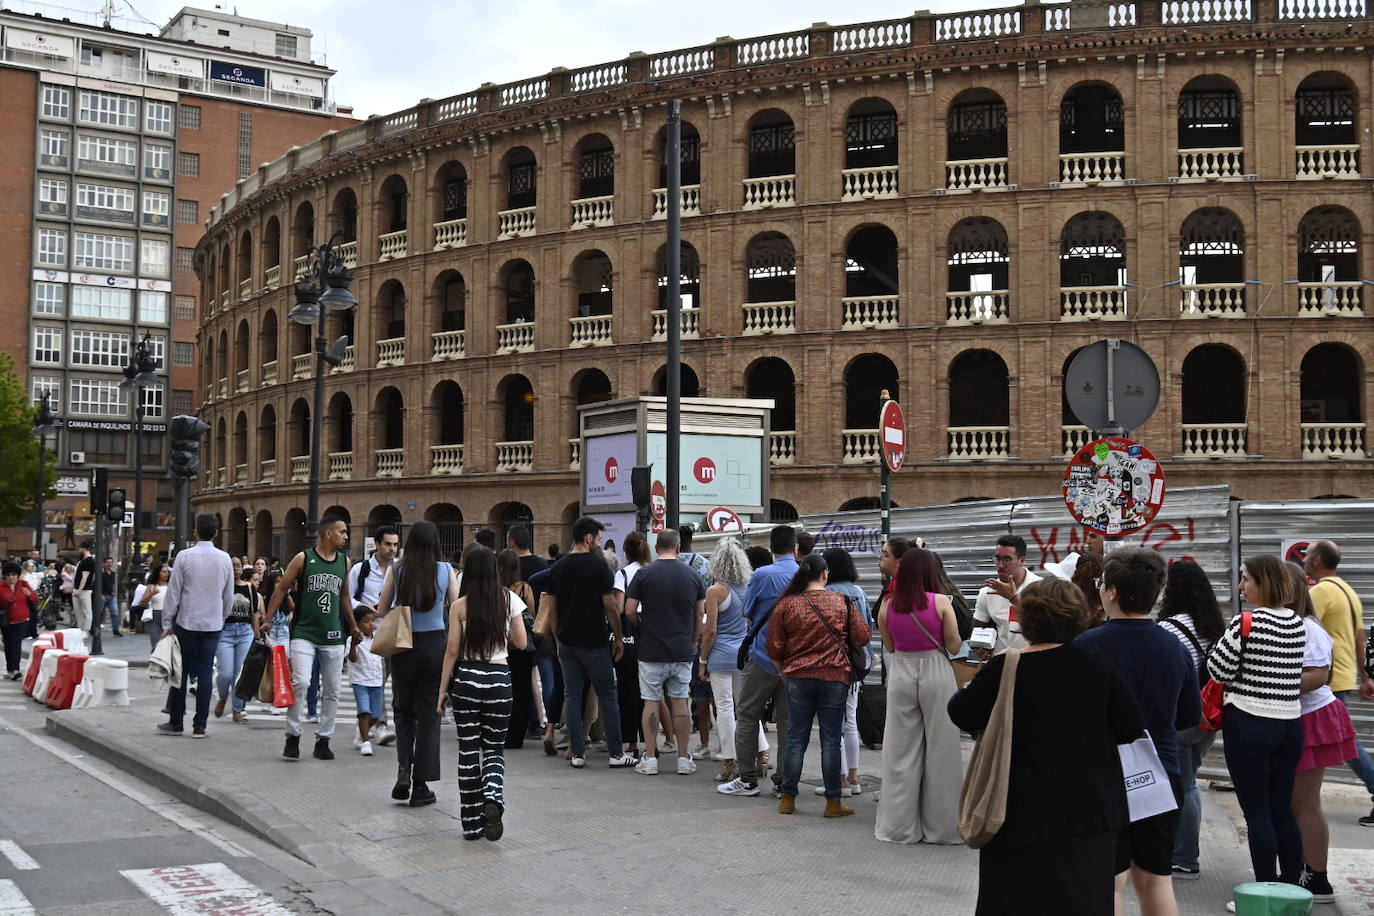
[[983, 799], [394, 634], [964, 671], [857, 656], [1356, 626], [1214, 693]]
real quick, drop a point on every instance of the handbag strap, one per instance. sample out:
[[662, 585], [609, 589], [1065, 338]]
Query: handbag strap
[[844, 644], [1355, 622], [937, 643], [1192, 638]]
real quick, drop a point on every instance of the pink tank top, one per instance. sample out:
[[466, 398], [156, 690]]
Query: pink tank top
[[906, 635]]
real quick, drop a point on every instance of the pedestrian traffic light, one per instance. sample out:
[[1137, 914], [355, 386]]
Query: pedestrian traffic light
[[98, 489], [115, 511], [640, 485], [185, 455]]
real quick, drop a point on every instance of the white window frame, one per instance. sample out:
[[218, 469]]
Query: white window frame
[[103, 303], [108, 109], [49, 298], [157, 116], [97, 398], [52, 190], [92, 349], [106, 150], [57, 143], [158, 156], [152, 399], [40, 385], [46, 349], [105, 197], [103, 252], [152, 306], [157, 349], [52, 247], [57, 102], [157, 203], [155, 258]]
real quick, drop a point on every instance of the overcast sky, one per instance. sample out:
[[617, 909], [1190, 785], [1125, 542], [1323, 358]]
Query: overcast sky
[[392, 53]]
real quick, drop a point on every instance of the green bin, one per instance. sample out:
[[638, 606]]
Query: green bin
[[1272, 898]]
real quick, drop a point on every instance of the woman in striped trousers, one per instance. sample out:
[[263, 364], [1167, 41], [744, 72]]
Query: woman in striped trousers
[[482, 624]]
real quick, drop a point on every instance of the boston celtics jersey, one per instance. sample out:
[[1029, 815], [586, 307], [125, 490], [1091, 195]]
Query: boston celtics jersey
[[320, 617]]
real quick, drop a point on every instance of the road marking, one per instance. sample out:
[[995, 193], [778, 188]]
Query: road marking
[[18, 857], [12, 900], [210, 889], [1352, 877]]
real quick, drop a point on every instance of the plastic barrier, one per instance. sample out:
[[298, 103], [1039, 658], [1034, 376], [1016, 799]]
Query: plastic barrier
[[104, 682], [1272, 898], [71, 639], [62, 689], [47, 673], [43, 644]]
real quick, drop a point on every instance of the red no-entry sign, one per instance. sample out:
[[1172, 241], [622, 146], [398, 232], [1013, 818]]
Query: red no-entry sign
[[892, 431]]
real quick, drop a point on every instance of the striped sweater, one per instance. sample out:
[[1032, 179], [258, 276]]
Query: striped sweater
[[1266, 681]]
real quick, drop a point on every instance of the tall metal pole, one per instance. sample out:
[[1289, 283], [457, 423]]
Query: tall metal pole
[[885, 484], [312, 517], [38, 523], [673, 153], [182, 486], [138, 473]]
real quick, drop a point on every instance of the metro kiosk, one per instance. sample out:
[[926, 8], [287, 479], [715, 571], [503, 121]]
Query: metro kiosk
[[723, 460]]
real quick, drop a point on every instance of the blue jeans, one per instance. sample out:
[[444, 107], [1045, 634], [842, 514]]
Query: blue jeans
[[596, 666], [198, 664], [1262, 755], [369, 700], [1193, 744], [808, 699], [312, 696], [234, 641], [546, 683], [111, 604], [1362, 766]]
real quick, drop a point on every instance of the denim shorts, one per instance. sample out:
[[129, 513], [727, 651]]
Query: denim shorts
[[658, 678], [369, 700]]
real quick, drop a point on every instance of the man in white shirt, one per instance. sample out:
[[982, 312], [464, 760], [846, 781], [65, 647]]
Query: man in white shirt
[[995, 599], [365, 581]]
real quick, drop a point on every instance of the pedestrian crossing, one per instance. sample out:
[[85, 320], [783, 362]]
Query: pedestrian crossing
[[348, 707]]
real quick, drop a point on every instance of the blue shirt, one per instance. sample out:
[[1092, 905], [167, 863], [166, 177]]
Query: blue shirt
[[765, 588]]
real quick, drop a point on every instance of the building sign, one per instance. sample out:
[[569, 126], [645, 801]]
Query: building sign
[[237, 73], [40, 43], [115, 426], [179, 66], [714, 470], [103, 280], [608, 461], [297, 85], [73, 486]]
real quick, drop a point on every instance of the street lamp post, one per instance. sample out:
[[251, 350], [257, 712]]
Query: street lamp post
[[139, 374], [324, 287], [43, 424]]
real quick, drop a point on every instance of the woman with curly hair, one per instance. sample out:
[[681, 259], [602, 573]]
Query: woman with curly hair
[[720, 644]]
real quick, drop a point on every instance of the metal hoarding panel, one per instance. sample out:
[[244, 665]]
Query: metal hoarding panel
[[1264, 526]]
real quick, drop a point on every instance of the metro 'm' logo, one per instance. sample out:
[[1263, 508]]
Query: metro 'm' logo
[[704, 470]]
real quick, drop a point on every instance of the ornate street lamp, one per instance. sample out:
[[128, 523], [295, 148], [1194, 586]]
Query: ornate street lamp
[[140, 373], [44, 422]]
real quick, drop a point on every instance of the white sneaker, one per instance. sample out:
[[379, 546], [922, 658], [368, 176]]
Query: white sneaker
[[686, 766], [738, 786], [311, 719], [365, 749], [624, 760], [701, 752], [386, 735], [358, 741], [647, 767], [845, 791]]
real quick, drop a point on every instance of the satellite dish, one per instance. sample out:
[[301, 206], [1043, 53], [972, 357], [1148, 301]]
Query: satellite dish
[[1112, 385]]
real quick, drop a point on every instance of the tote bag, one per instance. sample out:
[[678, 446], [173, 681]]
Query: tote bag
[[393, 634], [983, 799], [1147, 785]]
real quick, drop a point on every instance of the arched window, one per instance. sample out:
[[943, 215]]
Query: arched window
[[241, 354], [451, 196], [979, 406], [446, 405], [1213, 402], [340, 425], [240, 458], [298, 430], [520, 178], [1332, 419], [1209, 129], [870, 136], [781, 513], [271, 246], [1092, 135], [262, 535], [451, 297], [1327, 117], [388, 419], [595, 166], [688, 386], [245, 269], [391, 311], [689, 280], [517, 397], [1074, 434], [590, 386], [979, 263], [865, 378], [236, 535], [302, 229], [1092, 267], [1211, 264], [267, 437], [343, 217], [1329, 263], [976, 141], [384, 516], [593, 277], [772, 377], [519, 288], [448, 518], [506, 516], [771, 144], [391, 204], [690, 155], [772, 268], [267, 341], [293, 533]]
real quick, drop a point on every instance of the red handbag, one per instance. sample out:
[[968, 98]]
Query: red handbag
[[1214, 693]]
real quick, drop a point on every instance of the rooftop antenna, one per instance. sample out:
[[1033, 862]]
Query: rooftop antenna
[[107, 11]]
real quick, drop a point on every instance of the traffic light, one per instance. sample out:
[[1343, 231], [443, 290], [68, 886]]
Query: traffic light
[[115, 511], [640, 485], [98, 490], [185, 457]]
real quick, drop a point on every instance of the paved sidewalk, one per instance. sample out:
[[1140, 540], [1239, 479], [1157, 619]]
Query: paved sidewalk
[[598, 840]]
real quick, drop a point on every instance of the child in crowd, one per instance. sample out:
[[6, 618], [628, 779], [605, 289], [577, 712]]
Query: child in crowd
[[365, 674]]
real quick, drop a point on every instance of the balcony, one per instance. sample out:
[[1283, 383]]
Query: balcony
[[1092, 303], [349, 252], [1213, 440], [390, 462], [446, 459], [775, 191], [770, 318], [975, 174], [391, 245], [862, 313], [691, 324], [1339, 298], [269, 373], [271, 278], [515, 456], [1333, 440], [347, 364], [1091, 168], [574, 454], [224, 299], [691, 201], [391, 352], [1072, 438], [868, 184], [340, 465], [300, 468], [513, 224], [591, 331], [860, 446], [1318, 162], [450, 234], [269, 471], [300, 365], [1210, 164], [241, 380], [515, 338], [245, 289], [983, 307], [301, 267], [221, 479], [1212, 300], [782, 449], [240, 475], [448, 345], [979, 443], [222, 387], [593, 211]]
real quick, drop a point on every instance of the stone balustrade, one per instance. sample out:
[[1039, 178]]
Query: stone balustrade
[[982, 307], [874, 183], [782, 448], [1091, 168], [300, 468], [1214, 440], [593, 211], [391, 352], [391, 462], [340, 466], [859, 313], [269, 372], [1212, 300], [348, 363], [691, 324], [446, 459], [1333, 440], [451, 233], [513, 224], [1073, 437], [240, 474], [575, 454], [860, 446], [245, 288], [976, 174], [269, 471], [302, 267], [774, 191], [241, 380], [590, 331], [271, 277], [515, 338], [349, 252], [1342, 298], [1092, 303], [391, 245], [691, 201], [1335, 161], [979, 443], [300, 365], [449, 344], [1210, 164], [770, 318], [515, 456]]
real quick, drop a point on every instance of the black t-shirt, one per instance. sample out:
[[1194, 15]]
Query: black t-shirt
[[667, 592], [85, 574], [528, 567], [245, 603], [107, 582], [579, 581]]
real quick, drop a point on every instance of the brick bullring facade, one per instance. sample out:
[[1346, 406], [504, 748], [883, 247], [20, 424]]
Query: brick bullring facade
[[946, 206]]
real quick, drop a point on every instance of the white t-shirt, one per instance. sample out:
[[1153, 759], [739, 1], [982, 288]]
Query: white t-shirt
[[1317, 655], [367, 671], [515, 607], [625, 575], [994, 610]]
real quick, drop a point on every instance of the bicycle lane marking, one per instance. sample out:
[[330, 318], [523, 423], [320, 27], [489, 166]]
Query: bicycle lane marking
[[212, 889]]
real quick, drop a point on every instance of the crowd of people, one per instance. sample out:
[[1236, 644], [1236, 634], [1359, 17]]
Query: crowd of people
[[651, 647]]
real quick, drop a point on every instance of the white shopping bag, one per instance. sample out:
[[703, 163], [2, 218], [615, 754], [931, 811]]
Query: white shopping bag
[[1147, 784]]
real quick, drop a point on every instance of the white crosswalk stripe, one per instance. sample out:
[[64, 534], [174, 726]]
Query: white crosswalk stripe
[[348, 707], [18, 857], [185, 890], [12, 900]]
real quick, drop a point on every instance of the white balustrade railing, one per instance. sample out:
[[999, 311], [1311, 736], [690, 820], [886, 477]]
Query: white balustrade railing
[[269, 471], [391, 462], [975, 174], [221, 478], [515, 456], [979, 443], [1212, 300], [691, 324], [1072, 438], [691, 201], [1338, 297], [241, 380], [391, 352], [451, 234], [858, 313], [591, 331], [1210, 164], [1091, 303], [449, 344], [349, 252], [245, 288], [1214, 440], [964, 26], [574, 454], [983, 307], [269, 373], [1339, 161], [391, 245], [300, 468], [515, 338], [1333, 440], [868, 184], [870, 36], [774, 191], [1321, 9], [860, 446], [512, 224], [271, 277], [593, 211], [1091, 168], [770, 318], [446, 459], [1188, 12], [240, 474], [782, 449], [340, 465], [224, 300], [300, 365], [223, 387], [774, 47], [301, 267], [348, 362]]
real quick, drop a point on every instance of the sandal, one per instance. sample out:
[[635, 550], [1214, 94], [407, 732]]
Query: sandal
[[727, 772]]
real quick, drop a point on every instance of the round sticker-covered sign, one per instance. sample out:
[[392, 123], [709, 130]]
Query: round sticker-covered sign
[[1114, 486]]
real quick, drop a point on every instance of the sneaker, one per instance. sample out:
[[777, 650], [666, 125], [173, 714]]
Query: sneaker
[[1368, 821], [686, 766], [624, 760], [365, 749], [845, 791], [167, 728], [322, 751], [358, 741], [647, 767], [738, 786], [856, 789], [577, 761], [1230, 906], [292, 751], [777, 790], [198, 732], [1318, 884], [386, 735], [312, 717], [1186, 874], [701, 752], [240, 718]]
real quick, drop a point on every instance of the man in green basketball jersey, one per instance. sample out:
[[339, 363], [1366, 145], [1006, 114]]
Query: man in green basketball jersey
[[320, 630]]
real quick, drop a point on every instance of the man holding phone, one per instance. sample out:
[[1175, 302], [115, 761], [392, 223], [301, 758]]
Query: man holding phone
[[997, 597]]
